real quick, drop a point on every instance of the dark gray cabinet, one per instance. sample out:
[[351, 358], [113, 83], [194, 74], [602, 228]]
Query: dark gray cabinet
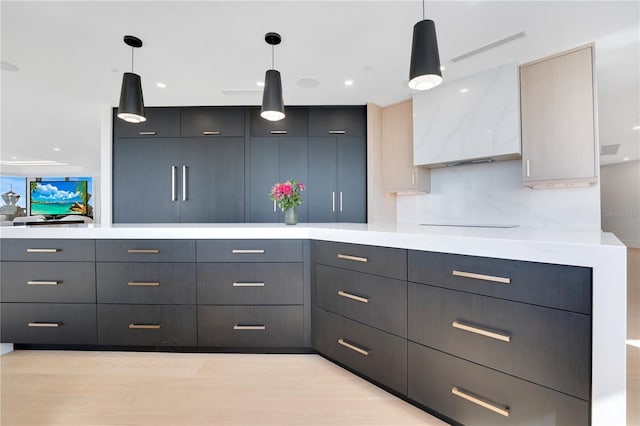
[[338, 120], [161, 122], [294, 124], [212, 121]]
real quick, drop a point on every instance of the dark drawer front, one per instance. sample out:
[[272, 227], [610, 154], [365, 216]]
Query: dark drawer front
[[49, 323], [294, 124], [147, 283], [250, 326], [370, 299], [374, 353], [250, 283], [39, 250], [546, 346], [212, 121], [555, 286], [145, 250], [249, 250], [434, 375], [161, 122], [327, 121], [147, 325], [388, 262], [48, 282]]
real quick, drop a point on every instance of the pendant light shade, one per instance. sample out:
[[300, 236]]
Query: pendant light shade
[[424, 72], [272, 101], [131, 107]]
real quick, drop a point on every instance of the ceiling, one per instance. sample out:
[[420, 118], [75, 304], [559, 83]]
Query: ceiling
[[70, 58]]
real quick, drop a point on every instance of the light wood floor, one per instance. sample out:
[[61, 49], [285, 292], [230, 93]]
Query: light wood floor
[[129, 388]]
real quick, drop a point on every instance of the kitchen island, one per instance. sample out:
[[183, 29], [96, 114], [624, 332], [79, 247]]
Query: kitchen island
[[601, 253]]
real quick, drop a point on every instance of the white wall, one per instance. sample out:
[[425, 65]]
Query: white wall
[[494, 194], [620, 193]]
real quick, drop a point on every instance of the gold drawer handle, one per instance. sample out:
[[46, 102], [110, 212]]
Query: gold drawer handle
[[211, 133], [143, 284], [478, 400], [483, 332], [45, 324], [152, 133], [249, 327], [240, 251], [481, 277], [145, 326], [40, 282], [241, 284], [43, 250], [353, 296], [353, 347], [278, 132], [144, 251], [354, 258]]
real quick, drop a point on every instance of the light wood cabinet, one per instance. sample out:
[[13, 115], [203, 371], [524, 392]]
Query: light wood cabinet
[[559, 146], [398, 172]]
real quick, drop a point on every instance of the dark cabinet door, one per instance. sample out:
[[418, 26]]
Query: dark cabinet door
[[294, 124], [161, 122], [349, 121], [211, 122], [352, 179], [271, 160], [323, 179], [145, 175], [212, 180]]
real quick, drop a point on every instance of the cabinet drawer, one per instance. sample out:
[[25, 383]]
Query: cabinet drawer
[[294, 124], [49, 323], [250, 283], [162, 122], [145, 250], [249, 250], [388, 262], [546, 346], [327, 121], [146, 283], [41, 250], [555, 286], [212, 121], [48, 282], [374, 353], [147, 325], [433, 376], [370, 299], [250, 326]]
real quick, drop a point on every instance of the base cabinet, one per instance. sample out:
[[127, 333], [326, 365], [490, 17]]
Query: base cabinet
[[475, 395]]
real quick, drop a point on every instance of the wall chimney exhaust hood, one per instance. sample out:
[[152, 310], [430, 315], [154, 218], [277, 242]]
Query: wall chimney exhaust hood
[[467, 121]]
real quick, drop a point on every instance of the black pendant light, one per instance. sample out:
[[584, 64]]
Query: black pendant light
[[272, 102], [424, 72], [131, 106]]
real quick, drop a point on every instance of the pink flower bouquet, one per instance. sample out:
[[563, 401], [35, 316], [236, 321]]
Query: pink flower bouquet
[[287, 194]]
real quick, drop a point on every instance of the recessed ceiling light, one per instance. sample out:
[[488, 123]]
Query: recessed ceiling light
[[260, 83], [56, 149], [636, 128], [161, 85], [626, 158], [464, 90], [442, 68], [348, 82]]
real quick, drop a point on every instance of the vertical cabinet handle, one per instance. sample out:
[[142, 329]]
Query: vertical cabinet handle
[[333, 202], [528, 169], [274, 206], [482, 402], [340, 200], [353, 347], [173, 183], [184, 183]]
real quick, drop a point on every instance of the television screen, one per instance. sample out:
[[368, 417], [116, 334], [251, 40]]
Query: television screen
[[58, 198]]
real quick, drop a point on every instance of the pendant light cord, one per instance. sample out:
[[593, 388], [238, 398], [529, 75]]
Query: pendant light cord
[[132, 59], [423, 15], [273, 66]]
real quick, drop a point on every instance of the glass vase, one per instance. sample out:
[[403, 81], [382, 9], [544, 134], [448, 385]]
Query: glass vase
[[291, 216]]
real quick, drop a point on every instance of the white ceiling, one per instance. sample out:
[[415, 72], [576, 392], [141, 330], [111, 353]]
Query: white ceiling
[[70, 58]]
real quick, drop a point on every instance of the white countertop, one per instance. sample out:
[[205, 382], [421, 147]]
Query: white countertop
[[581, 248]]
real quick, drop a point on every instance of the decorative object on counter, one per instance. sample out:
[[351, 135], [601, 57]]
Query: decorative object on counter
[[288, 197], [131, 108], [424, 71], [272, 102]]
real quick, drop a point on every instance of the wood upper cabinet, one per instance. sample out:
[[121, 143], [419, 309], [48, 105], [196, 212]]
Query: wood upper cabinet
[[398, 172], [559, 120]]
